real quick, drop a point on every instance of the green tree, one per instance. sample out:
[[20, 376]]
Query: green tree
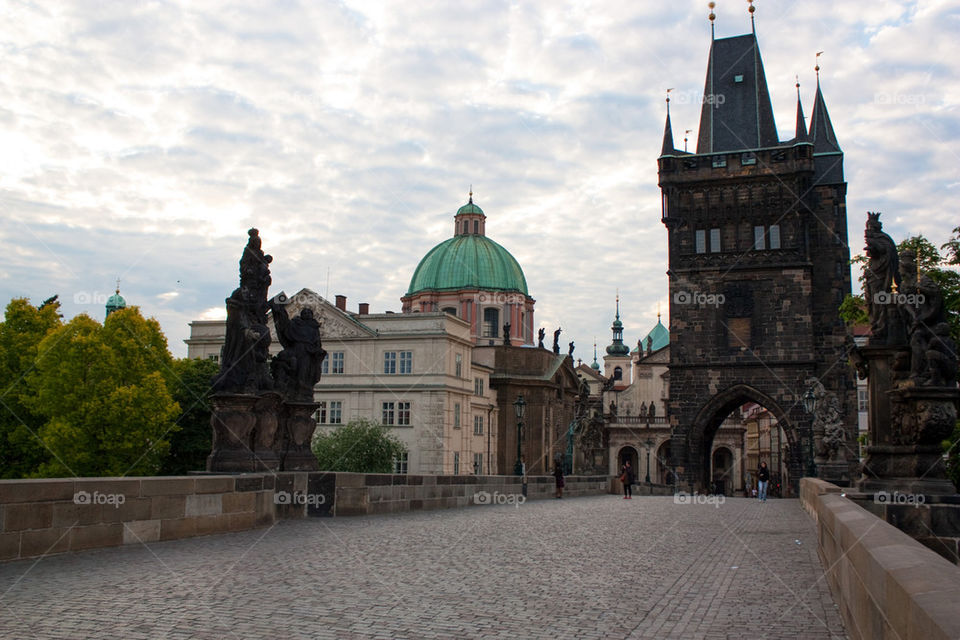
[[360, 446], [104, 397], [23, 328], [189, 385]]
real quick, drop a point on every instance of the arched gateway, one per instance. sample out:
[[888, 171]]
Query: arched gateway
[[758, 267]]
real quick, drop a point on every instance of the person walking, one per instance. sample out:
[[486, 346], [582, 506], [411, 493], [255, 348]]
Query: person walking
[[763, 479], [627, 478], [558, 478]]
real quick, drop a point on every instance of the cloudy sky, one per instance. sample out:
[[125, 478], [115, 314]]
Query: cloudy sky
[[140, 141]]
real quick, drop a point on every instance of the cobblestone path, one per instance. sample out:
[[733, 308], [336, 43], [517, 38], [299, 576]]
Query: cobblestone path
[[597, 567]]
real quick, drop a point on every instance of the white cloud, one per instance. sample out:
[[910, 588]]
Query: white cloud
[[141, 141]]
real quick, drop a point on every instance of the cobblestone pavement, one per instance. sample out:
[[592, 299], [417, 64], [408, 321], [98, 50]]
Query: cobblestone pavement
[[597, 567]]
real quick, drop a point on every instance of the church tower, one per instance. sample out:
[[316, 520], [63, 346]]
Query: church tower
[[758, 267]]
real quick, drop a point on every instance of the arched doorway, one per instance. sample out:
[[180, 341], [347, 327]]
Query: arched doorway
[[721, 472], [665, 474], [628, 454], [693, 454]]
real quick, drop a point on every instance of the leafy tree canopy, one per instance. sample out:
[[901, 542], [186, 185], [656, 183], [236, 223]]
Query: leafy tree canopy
[[360, 446]]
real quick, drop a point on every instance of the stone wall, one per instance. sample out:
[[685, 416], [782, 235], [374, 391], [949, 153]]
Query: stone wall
[[886, 584], [40, 517]]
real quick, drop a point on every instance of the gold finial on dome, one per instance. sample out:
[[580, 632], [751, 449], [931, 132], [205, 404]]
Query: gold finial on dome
[[712, 16]]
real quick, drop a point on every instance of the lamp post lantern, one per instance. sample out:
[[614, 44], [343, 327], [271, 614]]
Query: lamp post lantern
[[649, 443], [810, 406], [519, 407]]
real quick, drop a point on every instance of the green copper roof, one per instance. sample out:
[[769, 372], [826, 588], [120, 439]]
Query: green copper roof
[[115, 302], [660, 335], [468, 262], [470, 208]]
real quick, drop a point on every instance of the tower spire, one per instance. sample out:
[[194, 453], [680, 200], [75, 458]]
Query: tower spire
[[712, 17], [667, 148], [751, 9], [800, 134]]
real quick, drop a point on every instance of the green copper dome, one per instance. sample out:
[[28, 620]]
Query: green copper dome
[[115, 302], [470, 208], [468, 262], [660, 336]]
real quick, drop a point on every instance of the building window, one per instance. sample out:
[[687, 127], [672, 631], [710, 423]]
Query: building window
[[400, 463], [617, 373], [774, 236], [456, 415], [862, 399], [758, 239], [406, 362], [747, 159], [719, 161], [478, 425], [701, 241], [450, 310], [456, 463], [390, 362], [738, 332], [388, 414], [333, 363], [213, 357], [458, 359], [330, 412], [476, 226], [478, 463], [491, 322], [403, 414], [715, 240], [478, 386]]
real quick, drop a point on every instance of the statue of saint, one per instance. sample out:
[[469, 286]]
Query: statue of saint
[[540, 335], [556, 341], [506, 334], [881, 273], [297, 368], [570, 352]]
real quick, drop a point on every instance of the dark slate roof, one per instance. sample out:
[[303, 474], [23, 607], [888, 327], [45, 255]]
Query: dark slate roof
[[736, 114], [827, 156], [667, 148]]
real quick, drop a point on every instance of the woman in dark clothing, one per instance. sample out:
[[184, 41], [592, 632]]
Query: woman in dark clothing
[[763, 479], [626, 477], [558, 478]]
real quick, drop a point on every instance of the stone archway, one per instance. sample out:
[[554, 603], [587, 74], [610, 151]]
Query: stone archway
[[693, 451]]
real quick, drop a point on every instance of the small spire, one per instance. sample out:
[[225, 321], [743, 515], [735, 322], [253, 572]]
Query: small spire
[[658, 313], [712, 17], [618, 305], [471, 194], [751, 9], [118, 286], [817, 68], [667, 148], [685, 139], [800, 135]]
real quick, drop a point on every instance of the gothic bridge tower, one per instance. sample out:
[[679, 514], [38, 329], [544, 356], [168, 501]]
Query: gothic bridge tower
[[758, 266]]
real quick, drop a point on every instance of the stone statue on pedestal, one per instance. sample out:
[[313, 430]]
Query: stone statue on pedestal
[[540, 335], [556, 341], [296, 369], [881, 272]]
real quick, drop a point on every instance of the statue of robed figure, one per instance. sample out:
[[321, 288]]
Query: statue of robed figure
[[296, 369]]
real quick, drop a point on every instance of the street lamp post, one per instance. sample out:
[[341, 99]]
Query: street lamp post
[[810, 406], [519, 407], [649, 444]]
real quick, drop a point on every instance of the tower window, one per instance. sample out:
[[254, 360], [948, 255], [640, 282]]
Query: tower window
[[715, 240], [719, 161], [701, 240], [774, 236], [747, 159], [617, 373], [476, 226], [491, 322], [758, 239]]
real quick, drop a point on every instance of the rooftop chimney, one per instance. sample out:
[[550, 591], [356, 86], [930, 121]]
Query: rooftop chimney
[[342, 303], [364, 308]]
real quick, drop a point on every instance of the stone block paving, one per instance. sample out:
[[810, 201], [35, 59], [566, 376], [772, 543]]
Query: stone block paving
[[593, 567]]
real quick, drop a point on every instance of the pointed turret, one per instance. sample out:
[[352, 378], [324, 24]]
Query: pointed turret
[[801, 130], [617, 348], [827, 156], [667, 149]]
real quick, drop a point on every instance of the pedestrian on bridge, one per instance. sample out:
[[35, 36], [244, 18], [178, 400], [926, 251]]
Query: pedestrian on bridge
[[558, 478], [763, 479], [627, 478]]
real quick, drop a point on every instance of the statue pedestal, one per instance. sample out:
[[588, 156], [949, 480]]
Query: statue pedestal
[[837, 473], [297, 427], [267, 410], [234, 422], [909, 457]]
